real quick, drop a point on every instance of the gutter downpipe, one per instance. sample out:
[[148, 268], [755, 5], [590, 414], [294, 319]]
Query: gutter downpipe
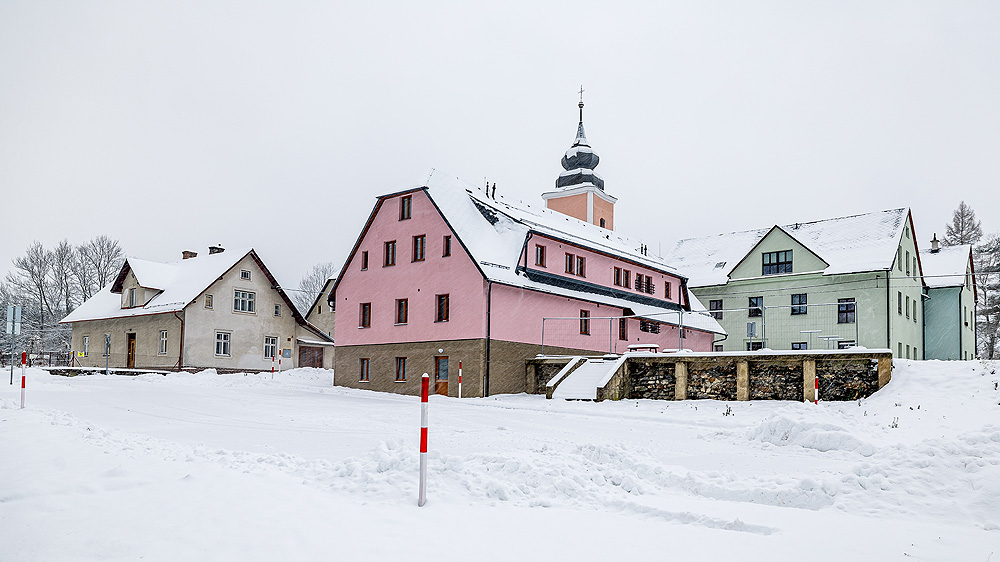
[[486, 374], [180, 355], [888, 312]]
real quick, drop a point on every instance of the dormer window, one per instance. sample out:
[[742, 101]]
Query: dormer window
[[777, 262], [244, 275], [131, 298]]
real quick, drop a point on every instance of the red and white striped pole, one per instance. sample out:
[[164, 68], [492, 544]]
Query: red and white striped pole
[[272, 365], [24, 359], [817, 390], [22, 392], [424, 385], [459, 379]]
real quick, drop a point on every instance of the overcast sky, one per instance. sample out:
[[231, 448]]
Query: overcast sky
[[177, 125]]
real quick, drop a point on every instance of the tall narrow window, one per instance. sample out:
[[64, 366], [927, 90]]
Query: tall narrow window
[[581, 266], [914, 310], [162, 350], [400, 369], [777, 262], [627, 279], [602, 223], [899, 258], [244, 301], [277, 310], [623, 329], [799, 302], [585, 322], [667, 286], [86, 346], [389, 257], [222, 344], [648, 285], [443, 309], [907, 262], [364, 259], [365, 315], [845, 311], [716, 307], [419, 247], [907, 300], [899, 302], [569, 263], [131, 298], [638, 281], [402, 306], [270, 347], [208, 301], [364, 368], [405, 203], [539, 255], [756, 306], [446, 247], [618, 276]]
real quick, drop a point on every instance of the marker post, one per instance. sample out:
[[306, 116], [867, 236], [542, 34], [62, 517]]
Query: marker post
[[422, 494], [22, 391], [459, 379], [817, 390], [24, 359]]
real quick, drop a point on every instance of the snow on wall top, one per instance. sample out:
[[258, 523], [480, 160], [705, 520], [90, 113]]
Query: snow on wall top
[[850, 244], [947, 266], [179, 282], [495, 231]]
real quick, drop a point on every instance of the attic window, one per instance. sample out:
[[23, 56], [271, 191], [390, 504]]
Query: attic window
[[244, 274], [720, 265], [777, 262]]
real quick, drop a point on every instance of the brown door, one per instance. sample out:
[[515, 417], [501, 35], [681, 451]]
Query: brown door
[[130, 358], [310, 357], [441, 375]]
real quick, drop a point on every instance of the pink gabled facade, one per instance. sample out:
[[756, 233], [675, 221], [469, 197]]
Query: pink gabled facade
[[419, 282], [495, 311]]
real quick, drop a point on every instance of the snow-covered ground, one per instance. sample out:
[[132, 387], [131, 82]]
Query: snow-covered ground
[[243, 468]]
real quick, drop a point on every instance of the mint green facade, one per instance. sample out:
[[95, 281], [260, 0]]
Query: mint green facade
[[950, 327], [887, 303]]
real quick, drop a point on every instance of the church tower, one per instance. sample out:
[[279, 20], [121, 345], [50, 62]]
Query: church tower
[[579, 191]]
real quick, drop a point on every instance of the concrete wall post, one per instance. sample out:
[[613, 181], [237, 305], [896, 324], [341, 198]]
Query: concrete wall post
[[742, 380], [884, 371], [681, 381], [808, 380]]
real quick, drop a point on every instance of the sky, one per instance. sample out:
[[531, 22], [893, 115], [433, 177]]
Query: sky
[[177, 125]]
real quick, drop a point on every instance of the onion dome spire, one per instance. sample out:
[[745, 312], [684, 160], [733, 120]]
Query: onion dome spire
[[580, 160]]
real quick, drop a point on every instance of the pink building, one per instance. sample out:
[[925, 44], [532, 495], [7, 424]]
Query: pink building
[[447, 272]]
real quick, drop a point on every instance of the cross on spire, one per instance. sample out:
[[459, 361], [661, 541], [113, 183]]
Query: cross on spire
[[581, 103]]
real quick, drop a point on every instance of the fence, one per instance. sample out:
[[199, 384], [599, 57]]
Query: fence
[[796, 327]]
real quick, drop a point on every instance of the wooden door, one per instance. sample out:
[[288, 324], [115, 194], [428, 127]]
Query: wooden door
[[441, 375], [130, 358], [310, 356]]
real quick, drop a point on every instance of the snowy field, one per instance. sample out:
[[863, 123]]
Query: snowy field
[[245, 468]]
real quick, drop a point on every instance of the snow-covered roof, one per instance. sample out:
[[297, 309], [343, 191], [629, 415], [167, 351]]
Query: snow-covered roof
[[851, 244], [946, 267], [495, 231], [179, 282]]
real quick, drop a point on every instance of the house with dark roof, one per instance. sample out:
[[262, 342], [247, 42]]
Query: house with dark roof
[[223, 310], [449, 277], [852, 281]]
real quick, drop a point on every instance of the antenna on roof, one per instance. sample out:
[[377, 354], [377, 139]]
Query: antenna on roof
[[494, 195]]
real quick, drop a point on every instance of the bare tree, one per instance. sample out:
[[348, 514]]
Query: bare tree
[[311, 285], [30, 279], [964, 228], [105, 257], [61, 274], [987, 262]]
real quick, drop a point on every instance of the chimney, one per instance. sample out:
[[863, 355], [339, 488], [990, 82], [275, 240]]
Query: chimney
[[215, 250], [188, 254], [935, 245]]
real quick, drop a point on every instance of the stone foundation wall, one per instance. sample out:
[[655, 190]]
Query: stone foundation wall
[[847, 380], [775, 381], [655, 381], [713, 381]]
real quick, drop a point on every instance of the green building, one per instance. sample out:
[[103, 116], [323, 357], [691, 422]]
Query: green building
[[835, 283], [950, 304]]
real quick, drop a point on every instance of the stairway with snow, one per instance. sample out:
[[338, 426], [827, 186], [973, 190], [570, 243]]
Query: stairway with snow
[[582, 376]]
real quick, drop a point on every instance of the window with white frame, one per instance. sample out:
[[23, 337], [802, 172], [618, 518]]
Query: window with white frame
[[270, 347], [208, 301], [245, 274], [131, 298], [277, 310], [222, 344], [163, 343], [243, 301]]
